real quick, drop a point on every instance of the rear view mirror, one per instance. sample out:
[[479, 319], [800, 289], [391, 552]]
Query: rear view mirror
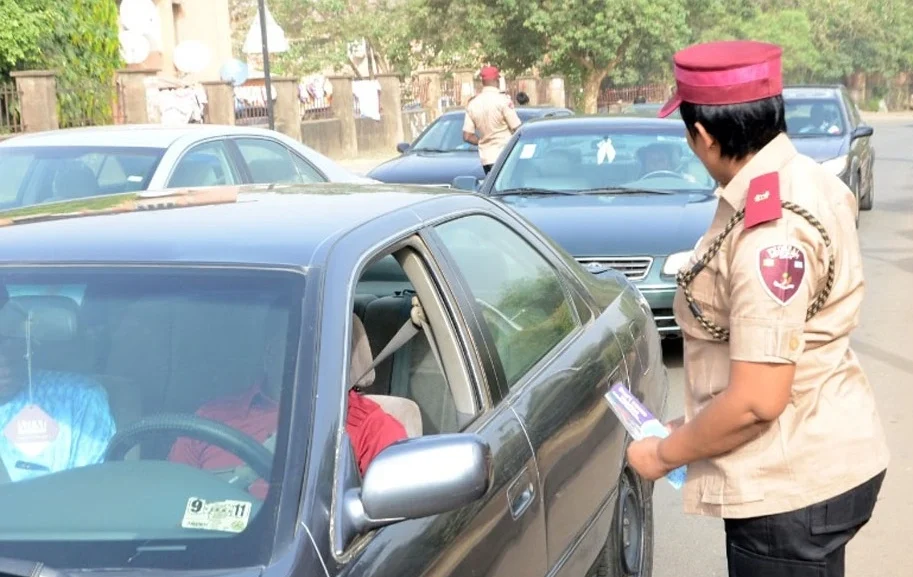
[[420, 477], [863, 131], [467, 183], [403, 147], [42, 318]]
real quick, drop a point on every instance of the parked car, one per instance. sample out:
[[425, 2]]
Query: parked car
[[645, 110], [439, 153], [80, 162], [824, 123], [618, 193], [503, 349]]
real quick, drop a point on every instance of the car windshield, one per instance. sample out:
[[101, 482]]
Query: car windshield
[[606, 159], [814, 117], [35, 175], [139, 412]]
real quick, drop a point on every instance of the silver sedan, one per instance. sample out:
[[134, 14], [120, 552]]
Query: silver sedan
[[82, 162]]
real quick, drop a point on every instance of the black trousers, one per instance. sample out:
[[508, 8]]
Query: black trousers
[[810, 542], [487, 168]]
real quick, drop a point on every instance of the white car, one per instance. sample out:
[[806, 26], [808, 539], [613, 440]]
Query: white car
[[82, 162]]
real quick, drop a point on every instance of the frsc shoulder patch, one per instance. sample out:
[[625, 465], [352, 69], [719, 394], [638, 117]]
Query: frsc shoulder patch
[[781, 270]]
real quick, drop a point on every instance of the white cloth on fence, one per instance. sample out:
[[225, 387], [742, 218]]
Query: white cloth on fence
[[367, 93]]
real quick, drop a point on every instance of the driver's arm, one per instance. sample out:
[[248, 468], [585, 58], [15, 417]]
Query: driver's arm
[[92, 427]]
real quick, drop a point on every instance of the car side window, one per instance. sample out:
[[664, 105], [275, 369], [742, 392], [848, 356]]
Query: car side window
[[272, 162], [855, 117], [206, 164], [523, 301]]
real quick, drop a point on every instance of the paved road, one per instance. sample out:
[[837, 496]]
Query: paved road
[[692, 546]]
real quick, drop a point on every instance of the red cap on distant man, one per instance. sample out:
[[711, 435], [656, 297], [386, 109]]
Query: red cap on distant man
[[727, 72], [490, 73]]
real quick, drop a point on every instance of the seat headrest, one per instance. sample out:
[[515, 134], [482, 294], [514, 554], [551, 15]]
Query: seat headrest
[[53, 317], [360, 363]]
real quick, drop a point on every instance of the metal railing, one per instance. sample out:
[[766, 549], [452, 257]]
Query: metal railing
[[10, 119]]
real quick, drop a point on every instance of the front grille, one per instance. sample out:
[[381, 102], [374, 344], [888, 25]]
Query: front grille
[[633, 267]]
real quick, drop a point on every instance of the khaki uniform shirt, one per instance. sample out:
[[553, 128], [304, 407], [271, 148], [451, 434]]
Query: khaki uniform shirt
[[492, 113], [759, 286]]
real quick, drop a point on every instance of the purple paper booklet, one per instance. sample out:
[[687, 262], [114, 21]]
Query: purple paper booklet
[[640, 423]]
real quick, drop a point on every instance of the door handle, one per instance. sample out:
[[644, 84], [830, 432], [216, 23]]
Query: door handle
[[520, 493]]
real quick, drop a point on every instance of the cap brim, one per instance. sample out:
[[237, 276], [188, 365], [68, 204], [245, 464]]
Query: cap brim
[[670, 106]]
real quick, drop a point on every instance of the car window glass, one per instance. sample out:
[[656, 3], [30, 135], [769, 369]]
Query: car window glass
[[271, 162], [521, 296], [608, 159], [13, 167], [206, 164], [444, 134], [855, 117], [814, 117]]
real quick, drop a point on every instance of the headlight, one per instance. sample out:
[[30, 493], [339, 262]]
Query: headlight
[[676, 261], [835, 165]]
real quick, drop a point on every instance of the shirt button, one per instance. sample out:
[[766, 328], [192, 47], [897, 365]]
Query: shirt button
[[793, 344]]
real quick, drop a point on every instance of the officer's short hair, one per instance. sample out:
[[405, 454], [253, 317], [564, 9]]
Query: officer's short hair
[[741, 129]]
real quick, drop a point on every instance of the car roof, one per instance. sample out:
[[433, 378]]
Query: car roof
[[249, 224], [571, 124], [129, 135], [810, 91]]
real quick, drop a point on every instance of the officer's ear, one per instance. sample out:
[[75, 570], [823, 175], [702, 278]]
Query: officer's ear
[[703, 138]]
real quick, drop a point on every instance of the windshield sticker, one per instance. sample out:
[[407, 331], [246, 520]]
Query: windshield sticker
[[228, 516], [527, 151], [32, 430], [605, 152], [135, 178]]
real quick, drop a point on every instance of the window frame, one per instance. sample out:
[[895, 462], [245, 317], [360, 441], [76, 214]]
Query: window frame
[[233, 167]]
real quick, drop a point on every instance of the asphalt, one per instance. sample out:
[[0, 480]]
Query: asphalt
[[688, 546]]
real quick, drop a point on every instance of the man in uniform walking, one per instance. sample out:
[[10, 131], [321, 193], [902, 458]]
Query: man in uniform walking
[[781, 433], [492, 114]]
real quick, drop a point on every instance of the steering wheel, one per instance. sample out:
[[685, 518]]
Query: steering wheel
[[658, 173], [215, 433]]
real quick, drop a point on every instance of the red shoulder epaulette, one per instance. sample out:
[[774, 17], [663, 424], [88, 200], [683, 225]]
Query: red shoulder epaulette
[[762, 203]]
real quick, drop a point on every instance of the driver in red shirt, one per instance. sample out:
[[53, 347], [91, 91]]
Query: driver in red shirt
[[256, 411]]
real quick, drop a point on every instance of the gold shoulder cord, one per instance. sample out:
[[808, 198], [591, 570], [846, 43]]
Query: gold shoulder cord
[[685, 278]]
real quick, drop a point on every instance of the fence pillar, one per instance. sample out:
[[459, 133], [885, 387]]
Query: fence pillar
[[37, 99], [132, 95], [556, 93], [220, 102], [391, 105], [432, 102], [287, 108], [343, 106]]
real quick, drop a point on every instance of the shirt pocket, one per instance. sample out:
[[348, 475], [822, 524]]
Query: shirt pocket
[[704, 300]]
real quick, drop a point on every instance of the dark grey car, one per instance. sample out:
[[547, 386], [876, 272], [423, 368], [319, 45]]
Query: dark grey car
[[225, 316]]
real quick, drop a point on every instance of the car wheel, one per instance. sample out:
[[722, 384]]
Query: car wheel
[[868, 201], [628, 552]]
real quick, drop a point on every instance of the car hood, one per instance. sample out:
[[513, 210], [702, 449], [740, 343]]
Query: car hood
[[821, 148], [429, 167], [619, 224]]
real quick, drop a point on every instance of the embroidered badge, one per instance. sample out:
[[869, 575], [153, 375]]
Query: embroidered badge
[[782, 269], [762, 203]]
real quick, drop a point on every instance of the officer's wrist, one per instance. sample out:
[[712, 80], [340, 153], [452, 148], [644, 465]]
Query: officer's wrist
[[663, 455]]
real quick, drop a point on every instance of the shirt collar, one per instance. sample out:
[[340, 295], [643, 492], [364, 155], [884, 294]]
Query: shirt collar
[[772, 158], [491, 89]]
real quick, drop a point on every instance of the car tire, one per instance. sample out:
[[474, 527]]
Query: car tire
[[628, 551], [868, 201]]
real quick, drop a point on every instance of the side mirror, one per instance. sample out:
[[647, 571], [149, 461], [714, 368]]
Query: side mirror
[[403, 147], [467, 183], [418, 478], [863, 131]]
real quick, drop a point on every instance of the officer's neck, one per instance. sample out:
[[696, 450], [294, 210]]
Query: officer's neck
[[732, 167]]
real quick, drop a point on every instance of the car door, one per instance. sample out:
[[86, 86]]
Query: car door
[[554, 373], [268, 161], [206, 164], [503, 533], [860, 147]]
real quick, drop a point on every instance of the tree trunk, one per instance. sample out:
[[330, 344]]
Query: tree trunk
[[591, 84]]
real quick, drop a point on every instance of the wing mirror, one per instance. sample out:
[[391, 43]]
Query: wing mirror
[[418, 478], [467, 183], [863, 131], [403, 147]]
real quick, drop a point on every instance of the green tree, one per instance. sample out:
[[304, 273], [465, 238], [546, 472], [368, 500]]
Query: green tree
[[22, 26]]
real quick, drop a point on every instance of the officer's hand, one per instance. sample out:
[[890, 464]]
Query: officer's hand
[[643, 457]]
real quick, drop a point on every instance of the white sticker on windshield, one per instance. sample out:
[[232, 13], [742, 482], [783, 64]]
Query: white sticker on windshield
[[528, 151], [229, 516], [605, 152], [135, 178]]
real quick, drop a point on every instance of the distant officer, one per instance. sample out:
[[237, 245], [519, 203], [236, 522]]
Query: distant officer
[[781, 433], [491, 113]]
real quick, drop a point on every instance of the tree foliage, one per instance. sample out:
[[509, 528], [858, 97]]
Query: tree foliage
[[22, 27]]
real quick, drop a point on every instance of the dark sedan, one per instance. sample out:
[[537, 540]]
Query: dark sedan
[[618, 193], [824, 123], [439, 154], [226, 319]]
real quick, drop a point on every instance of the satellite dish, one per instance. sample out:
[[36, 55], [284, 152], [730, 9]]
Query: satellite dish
[[134, 47], [191, 56], [234, 72], [275, 36], [138, 16]]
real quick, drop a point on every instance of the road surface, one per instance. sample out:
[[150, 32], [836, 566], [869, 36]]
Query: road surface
[[693, 547]]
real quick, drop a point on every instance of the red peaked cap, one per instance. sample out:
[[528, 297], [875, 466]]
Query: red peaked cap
[[489, 73], [727, 72]]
